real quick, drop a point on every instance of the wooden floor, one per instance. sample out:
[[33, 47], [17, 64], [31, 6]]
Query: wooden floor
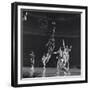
[[50, 72]]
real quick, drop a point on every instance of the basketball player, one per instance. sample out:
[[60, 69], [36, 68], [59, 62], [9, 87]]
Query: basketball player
[[63, 59], [32, 60]]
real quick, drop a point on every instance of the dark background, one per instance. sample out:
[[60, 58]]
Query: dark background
[[36, 31]]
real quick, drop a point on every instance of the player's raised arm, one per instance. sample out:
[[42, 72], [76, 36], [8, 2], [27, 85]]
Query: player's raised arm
[[63, 43]]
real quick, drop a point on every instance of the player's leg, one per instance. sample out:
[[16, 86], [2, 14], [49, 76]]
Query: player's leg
[[44, 69], [68, 69], [58, 68]]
